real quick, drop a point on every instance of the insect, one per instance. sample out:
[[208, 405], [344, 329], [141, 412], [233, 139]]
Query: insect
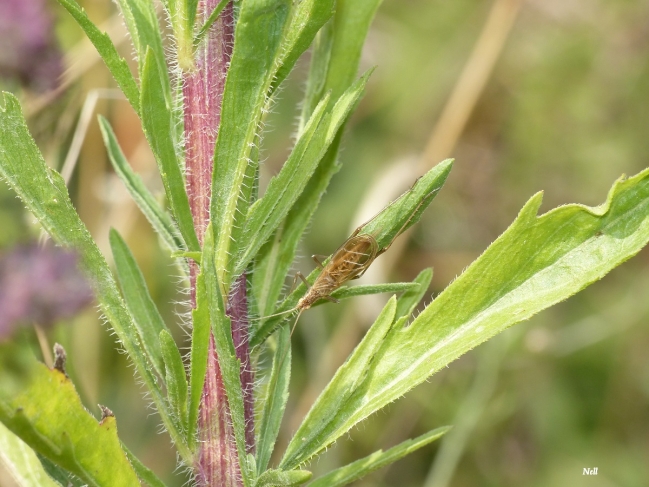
[[349, 261]]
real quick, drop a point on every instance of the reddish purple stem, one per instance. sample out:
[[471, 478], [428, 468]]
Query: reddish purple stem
[[217, 462]]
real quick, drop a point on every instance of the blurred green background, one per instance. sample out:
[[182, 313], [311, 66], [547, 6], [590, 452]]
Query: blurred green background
[[565, 110]]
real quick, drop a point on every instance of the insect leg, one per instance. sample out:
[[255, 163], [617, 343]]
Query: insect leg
[[318, 259], [302, 278]]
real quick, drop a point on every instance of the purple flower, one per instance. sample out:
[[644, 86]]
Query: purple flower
[[40, 285], [28, 49]]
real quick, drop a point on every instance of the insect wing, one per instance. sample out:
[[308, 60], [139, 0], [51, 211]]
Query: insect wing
[[353, 258]]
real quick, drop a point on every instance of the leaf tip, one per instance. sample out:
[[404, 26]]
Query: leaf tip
[[531, 208]]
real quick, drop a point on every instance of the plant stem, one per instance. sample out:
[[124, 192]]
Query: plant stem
[[217, 463]]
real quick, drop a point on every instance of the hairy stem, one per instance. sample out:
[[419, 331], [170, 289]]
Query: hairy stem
[[216, 461]]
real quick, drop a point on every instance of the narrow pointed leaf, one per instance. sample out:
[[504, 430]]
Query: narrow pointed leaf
[[260, 23], [176, 379], [274, 399], [360, 468], [343, 389], [44, 193], [198, 355], [209, 22], [145, 314], [308, 18], [47, 414], [20, 461], [281, 478], [142, 471], [393, 287], [116, 64], [338, 50], [409, 300], [157, 216], [142, 23], [60, 475], [159, 129], [537, 262], [266, 214]]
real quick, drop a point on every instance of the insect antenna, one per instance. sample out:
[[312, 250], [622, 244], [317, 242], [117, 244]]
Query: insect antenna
[[289, 311], [297, 318]]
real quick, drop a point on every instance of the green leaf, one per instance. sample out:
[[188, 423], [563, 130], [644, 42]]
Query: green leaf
[[318, 428], [406, 210], [48, 415], [175, 378], [229, 364], [284, 189], [157, 122], [537, 262], [392, 287], [209, 22], [44, 193], [275, 399], [157, 216], [145, 314], [198, 355], [142, 471], [20, 461], [260, 23], [409, 300], [60, 475], [378, 459], [117, 65], [142, 23], [338, 50], [182, 15], [308, 18], [282, 478]]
